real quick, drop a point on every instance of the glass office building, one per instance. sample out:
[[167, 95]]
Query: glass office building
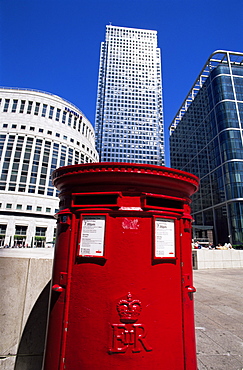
[[129, 111], [206, 140]]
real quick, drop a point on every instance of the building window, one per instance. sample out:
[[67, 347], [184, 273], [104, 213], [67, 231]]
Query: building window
[[31, 189], [3, 229], [79, 124], [21, 109], [75, 123], [64, 115], [8, 205], [51, 112], [23, 127], [48, 209], [41, 130], [5, 125], [49, 132], [5, 109], [41, 190], [40, 237], [29, 208], [14, 107], [20, 230], [29, 107], [14, 126], [19, 206], [40, 231], [44, 110], [32, 128], [38, 209], [58, 114], [37, 107], [63, 155], [69, 119], [50, 191]]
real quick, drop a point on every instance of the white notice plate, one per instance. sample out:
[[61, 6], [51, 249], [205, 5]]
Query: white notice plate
[[92, 236], [164, 238]]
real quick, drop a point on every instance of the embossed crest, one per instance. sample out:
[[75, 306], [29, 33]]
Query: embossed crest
[[129, 309], [129, 334]]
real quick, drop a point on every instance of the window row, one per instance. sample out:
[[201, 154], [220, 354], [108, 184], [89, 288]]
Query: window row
[[29, 162], [18, 239], [121, 34], [48, 132], [28, 208], [66, 116], [135, 160]]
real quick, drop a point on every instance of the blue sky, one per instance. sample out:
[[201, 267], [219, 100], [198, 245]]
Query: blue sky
[[54, 45]]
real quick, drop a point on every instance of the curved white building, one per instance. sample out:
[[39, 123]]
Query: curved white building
[[38, 133]]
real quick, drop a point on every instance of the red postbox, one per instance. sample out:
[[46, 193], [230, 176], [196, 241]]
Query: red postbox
[[122, 291]]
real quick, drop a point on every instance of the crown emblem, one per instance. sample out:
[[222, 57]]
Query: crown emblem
[[129, 309]]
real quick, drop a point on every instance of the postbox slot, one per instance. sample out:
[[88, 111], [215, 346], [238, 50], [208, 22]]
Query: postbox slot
[[96, 199], [157, 202]]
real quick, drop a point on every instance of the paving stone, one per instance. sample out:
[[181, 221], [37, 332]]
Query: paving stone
[[219, 318]]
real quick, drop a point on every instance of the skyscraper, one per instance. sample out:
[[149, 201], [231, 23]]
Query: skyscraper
[[206, 140], [129, 110]]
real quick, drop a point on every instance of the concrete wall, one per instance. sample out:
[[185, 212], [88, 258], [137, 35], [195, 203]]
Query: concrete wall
[[24, 293], [205, 258]]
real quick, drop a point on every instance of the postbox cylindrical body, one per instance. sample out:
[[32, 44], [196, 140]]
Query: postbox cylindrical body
[[122, 290]]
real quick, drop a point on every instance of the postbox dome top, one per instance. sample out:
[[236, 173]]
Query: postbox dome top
[[121, 175]]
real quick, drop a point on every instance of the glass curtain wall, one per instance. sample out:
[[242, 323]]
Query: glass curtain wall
[[207, 141]]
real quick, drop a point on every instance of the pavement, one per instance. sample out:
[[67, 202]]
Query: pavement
[[219, 318], [218, 312]]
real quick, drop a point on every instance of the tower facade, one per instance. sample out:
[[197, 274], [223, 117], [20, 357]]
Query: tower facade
[[206, 140], [39, 132], [129, 109]]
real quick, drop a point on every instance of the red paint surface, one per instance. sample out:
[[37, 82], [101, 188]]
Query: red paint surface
[[86, 328]]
